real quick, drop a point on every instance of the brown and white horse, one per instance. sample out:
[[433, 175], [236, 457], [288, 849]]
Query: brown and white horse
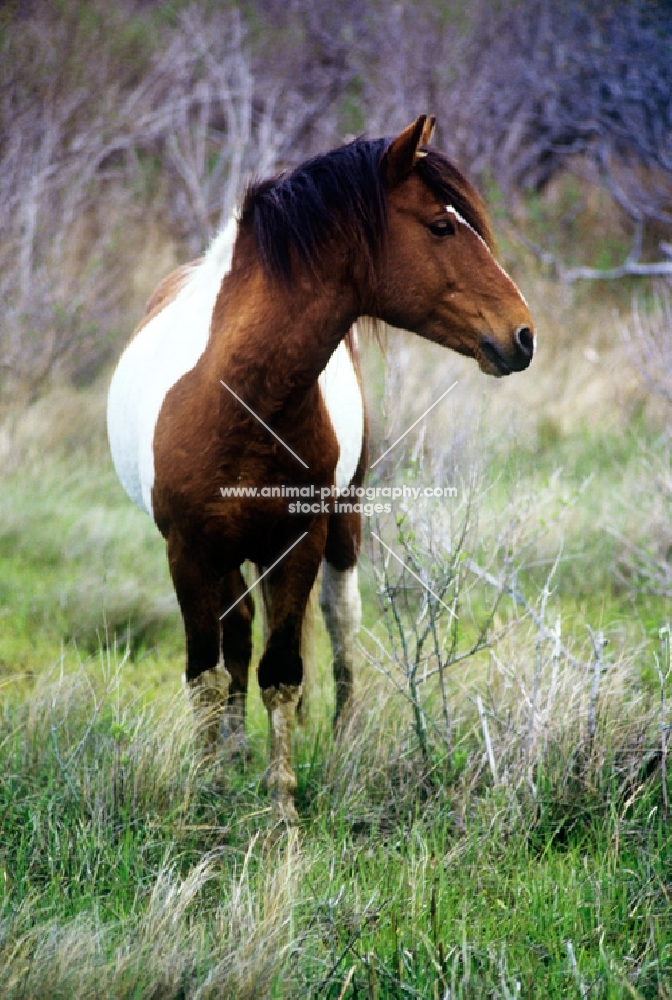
[[243, 373]]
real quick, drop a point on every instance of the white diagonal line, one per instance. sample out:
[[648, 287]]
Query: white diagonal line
[[269, 429], [419, 579], [265, 573], [421, 417]]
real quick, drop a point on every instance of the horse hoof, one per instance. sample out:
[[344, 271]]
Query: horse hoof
[[284, 810], [237, 747]]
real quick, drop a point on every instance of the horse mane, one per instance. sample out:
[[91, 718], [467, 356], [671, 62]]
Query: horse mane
[[343, 192]]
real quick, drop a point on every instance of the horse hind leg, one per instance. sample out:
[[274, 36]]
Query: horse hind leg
[[341, 602], [237, 609], [342, 610], [197, 591]]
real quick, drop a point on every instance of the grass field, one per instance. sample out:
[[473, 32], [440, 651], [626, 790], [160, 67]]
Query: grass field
[[502, 833], [492, 820]]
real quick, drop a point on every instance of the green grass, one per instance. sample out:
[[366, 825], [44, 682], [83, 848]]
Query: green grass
[[132, 867], [107, 812], [584, 489]]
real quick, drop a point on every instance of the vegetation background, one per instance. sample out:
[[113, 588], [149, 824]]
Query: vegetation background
[[494, 820]]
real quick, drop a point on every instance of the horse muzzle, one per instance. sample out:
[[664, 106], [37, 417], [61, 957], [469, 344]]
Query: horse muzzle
[[497, 360]]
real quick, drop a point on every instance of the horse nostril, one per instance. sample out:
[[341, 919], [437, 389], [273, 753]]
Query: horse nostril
[[524, 339]]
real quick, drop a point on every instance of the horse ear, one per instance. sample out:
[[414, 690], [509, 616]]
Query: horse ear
[[428, 131], [401, 155]]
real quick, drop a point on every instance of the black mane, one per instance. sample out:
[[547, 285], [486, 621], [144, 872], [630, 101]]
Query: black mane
[[343, 192]]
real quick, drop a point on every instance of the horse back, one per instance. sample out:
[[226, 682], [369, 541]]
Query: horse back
[[164, 293]]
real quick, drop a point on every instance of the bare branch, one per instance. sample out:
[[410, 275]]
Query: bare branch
[[555, 81]]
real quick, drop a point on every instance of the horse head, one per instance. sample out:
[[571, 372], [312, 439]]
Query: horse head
[[436, 273]]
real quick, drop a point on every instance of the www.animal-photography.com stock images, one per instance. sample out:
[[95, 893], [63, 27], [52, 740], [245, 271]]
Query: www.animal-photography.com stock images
[[335, 499]]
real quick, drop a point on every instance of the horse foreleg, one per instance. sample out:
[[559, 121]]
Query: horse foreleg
[[281, 666], [198, 596], [340, 600], [238, 612]]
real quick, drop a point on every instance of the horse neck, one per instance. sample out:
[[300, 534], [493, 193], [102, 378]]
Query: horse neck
[[273, 340]]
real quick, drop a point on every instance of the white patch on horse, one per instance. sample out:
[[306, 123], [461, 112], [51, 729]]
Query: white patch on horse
[[162, 352], [343, 399], [460, 218]]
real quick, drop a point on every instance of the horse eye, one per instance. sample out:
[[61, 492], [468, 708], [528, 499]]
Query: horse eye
[[444, 227]]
